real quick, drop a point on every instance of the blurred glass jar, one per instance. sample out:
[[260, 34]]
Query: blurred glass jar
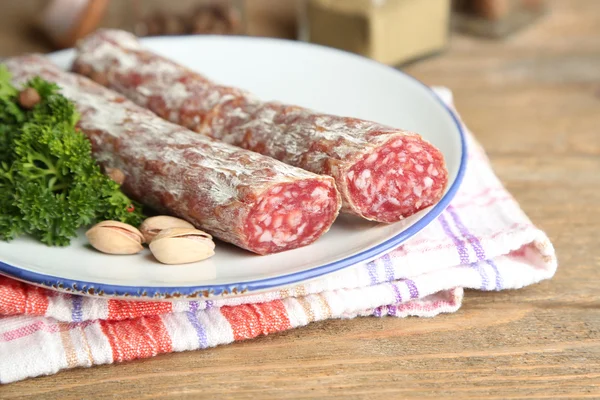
[[66, 21], [392, 32]]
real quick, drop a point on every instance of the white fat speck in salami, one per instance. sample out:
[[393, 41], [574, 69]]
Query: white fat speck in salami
[[265, 237], [371, 159], [232, 193], [325, 144]]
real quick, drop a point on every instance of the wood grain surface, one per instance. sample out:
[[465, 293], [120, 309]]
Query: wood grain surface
[[533, 100]]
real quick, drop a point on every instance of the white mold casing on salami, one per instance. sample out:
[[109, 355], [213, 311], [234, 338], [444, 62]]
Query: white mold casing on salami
[[383, 173], [239, 196]]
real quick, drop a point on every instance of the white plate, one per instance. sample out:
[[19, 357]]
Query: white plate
[[317, 77]]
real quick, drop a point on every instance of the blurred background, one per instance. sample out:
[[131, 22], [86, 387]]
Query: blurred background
[[535, 60], [394, 32]]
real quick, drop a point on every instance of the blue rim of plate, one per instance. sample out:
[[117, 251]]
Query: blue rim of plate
[[192, 292]]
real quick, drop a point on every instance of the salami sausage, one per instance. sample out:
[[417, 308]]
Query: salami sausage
[[383, 174], [242, 197]]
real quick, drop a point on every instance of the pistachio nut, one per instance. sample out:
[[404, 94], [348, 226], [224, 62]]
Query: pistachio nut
[[114, 237], [115, 174], [154, 225], [29, 98], [182, 245]]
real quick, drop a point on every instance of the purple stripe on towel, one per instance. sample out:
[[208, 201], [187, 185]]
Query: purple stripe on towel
[[194, 306], [499, 282], [462, 250], [372, 269], [389, 268], [77, 311], [398, 295], [479, 251], [473, 241], [412, 289], [460, 244], [193, 318]]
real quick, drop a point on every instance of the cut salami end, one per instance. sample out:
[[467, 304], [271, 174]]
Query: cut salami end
[[397, 180], [291, 215]]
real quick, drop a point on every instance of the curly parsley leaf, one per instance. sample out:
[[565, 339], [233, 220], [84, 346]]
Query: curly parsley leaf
[[50, 185]]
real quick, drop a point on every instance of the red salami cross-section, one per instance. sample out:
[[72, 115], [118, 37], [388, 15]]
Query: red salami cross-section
[[383, 174], [242, 197]]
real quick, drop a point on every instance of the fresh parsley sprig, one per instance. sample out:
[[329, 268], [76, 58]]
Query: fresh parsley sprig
[[50, 185]]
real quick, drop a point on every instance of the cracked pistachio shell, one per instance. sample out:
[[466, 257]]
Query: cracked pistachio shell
[[182, 246], [114, 237], [154, 225]]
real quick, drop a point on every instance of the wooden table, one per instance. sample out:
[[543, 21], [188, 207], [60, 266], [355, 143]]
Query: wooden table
[[534, 102]]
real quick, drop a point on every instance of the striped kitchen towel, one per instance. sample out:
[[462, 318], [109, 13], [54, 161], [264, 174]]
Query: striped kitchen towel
[[482, 241]]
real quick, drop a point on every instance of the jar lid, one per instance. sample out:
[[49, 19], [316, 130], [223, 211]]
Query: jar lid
[[351, 6]]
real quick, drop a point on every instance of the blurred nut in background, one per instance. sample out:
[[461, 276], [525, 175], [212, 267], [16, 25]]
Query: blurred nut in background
[[66, 21], [202, 17], [495, 18]]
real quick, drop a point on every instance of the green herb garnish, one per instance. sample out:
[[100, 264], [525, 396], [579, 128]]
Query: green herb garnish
[[50, 185]]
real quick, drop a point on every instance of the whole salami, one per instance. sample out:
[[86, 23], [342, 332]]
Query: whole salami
[[383, 174], [242, 197]]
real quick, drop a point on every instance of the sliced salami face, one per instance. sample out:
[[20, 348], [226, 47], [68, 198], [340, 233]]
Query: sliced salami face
[[399, 178], [242, 197], [383, 174]]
